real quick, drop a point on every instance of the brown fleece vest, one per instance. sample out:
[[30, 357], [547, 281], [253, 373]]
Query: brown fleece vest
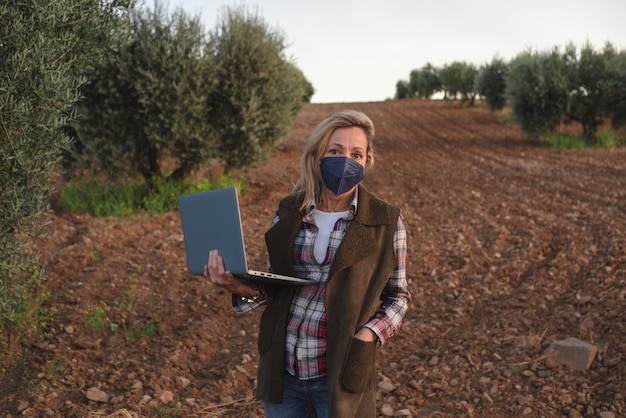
[[359, 272]]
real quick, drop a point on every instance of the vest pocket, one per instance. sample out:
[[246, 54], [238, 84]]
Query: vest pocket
[[358, 369]]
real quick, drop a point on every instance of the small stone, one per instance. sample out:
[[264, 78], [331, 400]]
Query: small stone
[[96, 395], [573, 413], [386, 410], [386, 386], [606, 414], [164, 396], [572, 352], [402, 413], [484, 381], [23, 405], [182, 382]]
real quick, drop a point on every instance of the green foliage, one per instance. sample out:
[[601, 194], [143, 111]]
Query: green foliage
[[97, 319], [424, 82], [451, 76], [597, 86], [586, 86], [147, 101], [140, 330], [538, 91], [604, 139], [491, 83], [518, 370], [507, 120], [562, 141], [100, 199], [617, 96], [402, 90], [459, 79], [125, 198], [46, 47], [258, 91], [609, 139], [162, 412]]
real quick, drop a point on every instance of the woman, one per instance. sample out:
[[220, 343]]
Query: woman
[[317, 343]]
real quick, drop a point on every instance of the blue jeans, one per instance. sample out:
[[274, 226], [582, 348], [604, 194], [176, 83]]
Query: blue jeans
[[301, 399]]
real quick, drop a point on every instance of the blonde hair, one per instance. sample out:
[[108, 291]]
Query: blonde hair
[[310, 181]]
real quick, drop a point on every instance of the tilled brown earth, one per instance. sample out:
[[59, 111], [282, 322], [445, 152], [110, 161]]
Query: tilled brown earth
[[512, 247]]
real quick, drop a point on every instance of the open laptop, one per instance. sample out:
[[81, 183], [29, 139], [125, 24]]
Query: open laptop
[[211, 220]]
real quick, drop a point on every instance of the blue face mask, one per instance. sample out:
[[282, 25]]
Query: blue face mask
[[340, 174]]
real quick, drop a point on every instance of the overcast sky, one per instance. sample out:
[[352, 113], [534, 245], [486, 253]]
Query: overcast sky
[[356, 50]]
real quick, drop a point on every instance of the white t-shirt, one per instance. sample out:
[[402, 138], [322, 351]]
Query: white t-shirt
[[325, 222]]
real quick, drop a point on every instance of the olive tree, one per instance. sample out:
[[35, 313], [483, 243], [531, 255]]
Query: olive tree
[[402, 90], [147, 100], [597, 86], [537, 90], [491, 83], [459, 79], [45, 48], [451, 79], [258, 90], [544, 88], [617, 95], [425, 82]]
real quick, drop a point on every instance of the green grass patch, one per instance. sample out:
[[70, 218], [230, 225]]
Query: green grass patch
[[517, 371], [139, 330], [562, 141], [604, 139], [609, 139], [121, 199], [97, 319], [507, 120]]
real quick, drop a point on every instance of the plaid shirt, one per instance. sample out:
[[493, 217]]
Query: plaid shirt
[[306, 326]]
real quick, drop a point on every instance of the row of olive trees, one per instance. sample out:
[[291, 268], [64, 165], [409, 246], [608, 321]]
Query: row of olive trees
[[130, 88], [456, 81], [542, 88], [45, 49], [175, 91], [584, 86]]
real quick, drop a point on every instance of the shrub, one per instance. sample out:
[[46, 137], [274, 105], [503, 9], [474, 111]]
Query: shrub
[[402, 90], [491, 83], [597, 85], [147, 101], [424, 82], [46, 48], [583, 86], [459, 79], [538, 91], [258, 91]]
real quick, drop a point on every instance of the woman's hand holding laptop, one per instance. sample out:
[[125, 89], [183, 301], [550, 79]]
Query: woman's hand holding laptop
[[217, 275]]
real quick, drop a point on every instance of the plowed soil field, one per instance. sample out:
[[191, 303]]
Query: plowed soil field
[[512, 246]]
